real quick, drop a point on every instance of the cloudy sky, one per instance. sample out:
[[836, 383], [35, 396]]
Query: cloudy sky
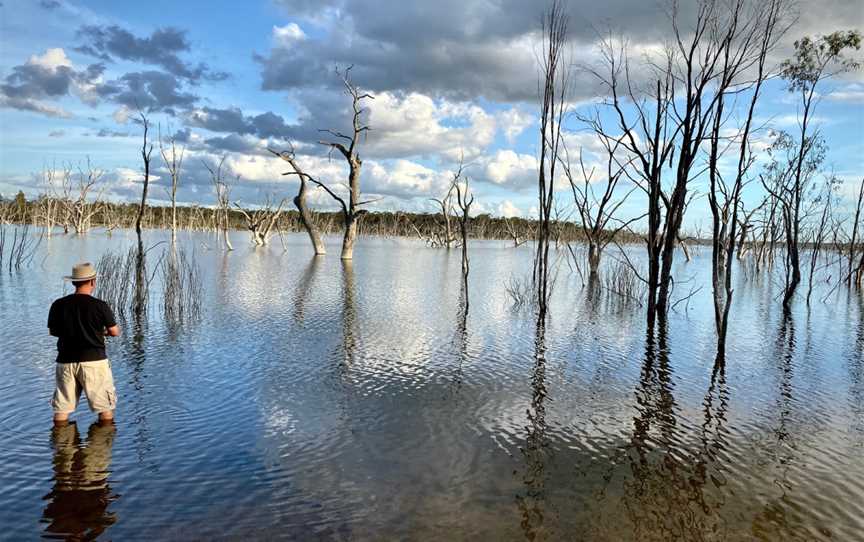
[[449, 78]]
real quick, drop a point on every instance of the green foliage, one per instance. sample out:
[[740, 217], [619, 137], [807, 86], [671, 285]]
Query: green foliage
[[814, 56]]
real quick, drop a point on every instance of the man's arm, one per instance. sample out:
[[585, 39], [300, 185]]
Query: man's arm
[[111, 327], [52, 321]]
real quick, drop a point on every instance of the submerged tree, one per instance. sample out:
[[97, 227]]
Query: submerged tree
[[222, 187], [555, 81], [668, 122], [464, 199], [260, 221], [751, 35], [346, 145], [173, 158], [597, 214], [300, 199], [814, 61], [140, 300]]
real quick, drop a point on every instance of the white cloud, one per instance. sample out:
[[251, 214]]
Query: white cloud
[[404, 178], [513, 122], [284, 36], [508, 210], [417, 125], [508, 168], [51, 59]]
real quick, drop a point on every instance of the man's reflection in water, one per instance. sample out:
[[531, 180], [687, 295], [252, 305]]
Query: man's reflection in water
[[77, 505]]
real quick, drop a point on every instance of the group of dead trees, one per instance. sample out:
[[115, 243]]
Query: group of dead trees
[[347, 146], [660, 130]]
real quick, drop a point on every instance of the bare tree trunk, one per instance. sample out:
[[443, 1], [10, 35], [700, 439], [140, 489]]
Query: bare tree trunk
[[140, 266], [554, 103], [300, 200], [464, 200], [351, 211]]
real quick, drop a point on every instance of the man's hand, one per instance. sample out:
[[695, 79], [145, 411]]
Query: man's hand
[[113, 331]]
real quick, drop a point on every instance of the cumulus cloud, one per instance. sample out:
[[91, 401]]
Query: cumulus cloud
[[406, 179], [511, 169], [508, 210], [50, 75], [417, 125]]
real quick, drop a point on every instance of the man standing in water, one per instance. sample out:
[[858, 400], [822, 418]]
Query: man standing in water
[[81, 322]]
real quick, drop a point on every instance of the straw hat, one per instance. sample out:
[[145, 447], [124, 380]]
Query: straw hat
[[82, 272]]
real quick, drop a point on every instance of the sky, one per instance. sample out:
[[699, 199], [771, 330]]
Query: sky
[[450, 79]]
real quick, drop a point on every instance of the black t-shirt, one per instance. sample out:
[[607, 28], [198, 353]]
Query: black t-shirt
[[79, 322]]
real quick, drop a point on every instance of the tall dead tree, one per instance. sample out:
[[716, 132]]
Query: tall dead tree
[[306, 217], [140, 299], [346, 145], [173, 158], [747, 34], [146, 152], [464, 199], [854, 237], [668, 122], [814, 61], [222, 188], [649, 137], [555, 81]]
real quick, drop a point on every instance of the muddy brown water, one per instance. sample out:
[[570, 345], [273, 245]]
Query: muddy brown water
[[315, 400]]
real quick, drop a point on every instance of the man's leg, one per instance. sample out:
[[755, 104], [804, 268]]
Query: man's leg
[[99, 387], [67, 389]]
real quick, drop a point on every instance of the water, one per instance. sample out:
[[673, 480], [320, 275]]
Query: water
[[315, 400]]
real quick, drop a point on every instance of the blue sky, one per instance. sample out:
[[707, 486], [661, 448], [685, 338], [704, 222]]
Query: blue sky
[[449, 78]]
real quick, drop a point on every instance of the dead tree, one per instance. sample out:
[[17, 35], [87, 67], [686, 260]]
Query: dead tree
[[47, 204], [747, 38], [222, 188], [597, 214], [78, 212], [820, 230], [300, 199], [448, 238], [555, 81], [464, 199], [669, 123], [650, 138], [260, 222], [173, 158], [513, 233], [854, 237], [346, 145], [814, 61], [146, 152]]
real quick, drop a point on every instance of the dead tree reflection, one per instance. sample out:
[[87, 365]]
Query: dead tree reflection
[[77, 507], [349, 314], [537, 451], [304, 287], [460, 340]]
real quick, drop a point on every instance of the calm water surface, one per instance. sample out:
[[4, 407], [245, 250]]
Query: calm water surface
[[317, 400]]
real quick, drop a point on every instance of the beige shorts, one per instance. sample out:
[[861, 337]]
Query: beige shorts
[[93, 377]]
